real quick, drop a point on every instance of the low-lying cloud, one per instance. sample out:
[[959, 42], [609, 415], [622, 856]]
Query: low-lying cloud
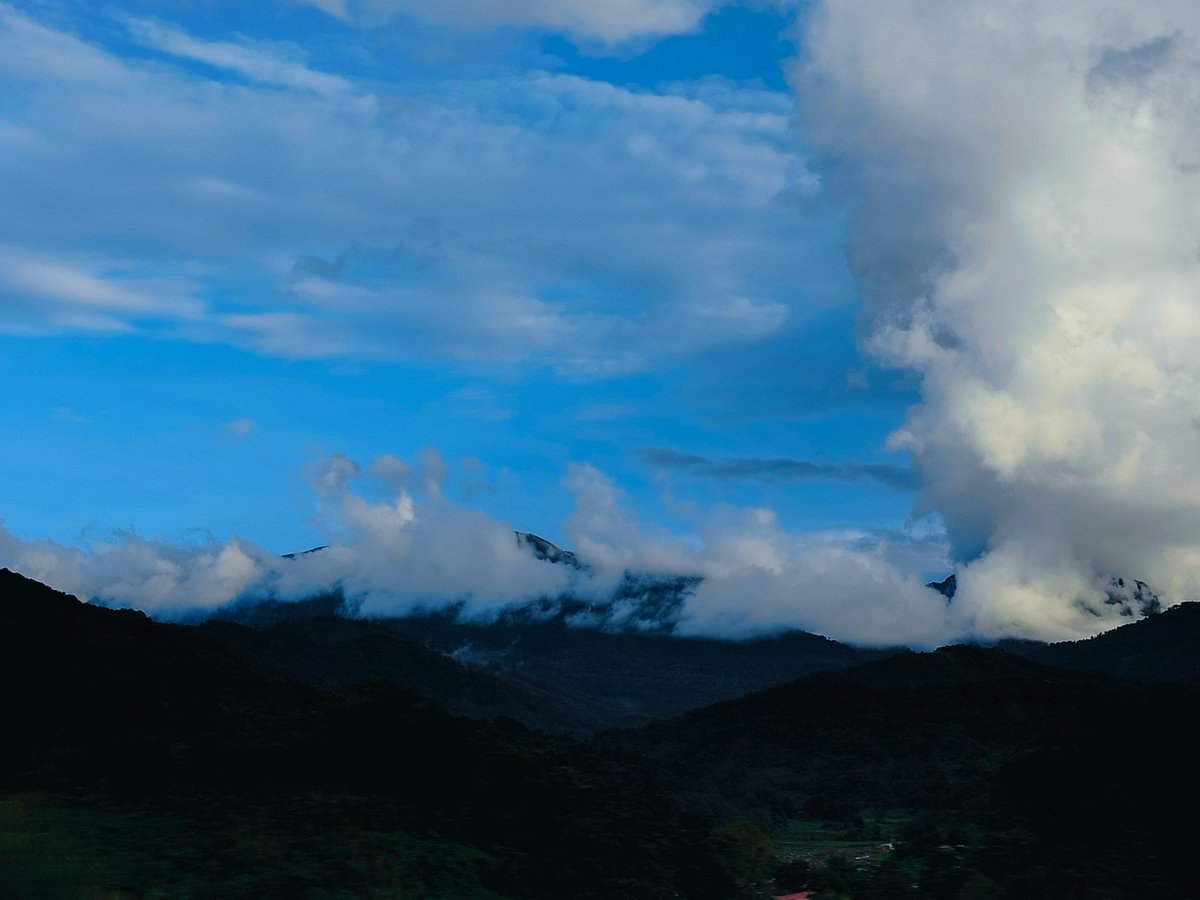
[[396, 543]]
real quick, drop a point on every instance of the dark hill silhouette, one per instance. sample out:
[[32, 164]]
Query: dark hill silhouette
[[920, 730], [334, 654], [608, 677], [158, 746], [284, 760], [328, 653], [634, 675], [1162, 647]]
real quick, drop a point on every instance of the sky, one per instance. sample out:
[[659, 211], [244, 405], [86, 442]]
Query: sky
[[819, 300]]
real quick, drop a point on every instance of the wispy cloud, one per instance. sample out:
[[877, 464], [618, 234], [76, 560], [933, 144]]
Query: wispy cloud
[[87, 293], [241, 427], [612, 21], [538, 219], [244, 59], [779, 470]]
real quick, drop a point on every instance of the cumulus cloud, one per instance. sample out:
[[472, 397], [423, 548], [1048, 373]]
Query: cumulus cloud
[[161, 578], [1027, 181], [759, 578], [532, 219], [395, 543], [402, 544]]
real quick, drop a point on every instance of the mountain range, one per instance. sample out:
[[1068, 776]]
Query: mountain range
[[303, 752]]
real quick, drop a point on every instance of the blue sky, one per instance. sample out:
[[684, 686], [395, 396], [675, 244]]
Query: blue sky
[[816, 300], [240, 239]]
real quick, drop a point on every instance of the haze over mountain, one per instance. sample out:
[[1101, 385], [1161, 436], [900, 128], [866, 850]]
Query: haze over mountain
[[589, 674], [400, 544]]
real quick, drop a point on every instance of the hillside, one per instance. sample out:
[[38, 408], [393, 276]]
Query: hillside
[[1160, 647], [158, 764], [987, 775], [305, 754], [602, 676], [915, 731]]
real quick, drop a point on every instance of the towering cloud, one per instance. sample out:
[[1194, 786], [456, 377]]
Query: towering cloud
[[1027, 180]]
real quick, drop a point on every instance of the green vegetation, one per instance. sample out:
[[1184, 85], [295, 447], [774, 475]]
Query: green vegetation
[[56, 846], [142, 760], [815, 841]]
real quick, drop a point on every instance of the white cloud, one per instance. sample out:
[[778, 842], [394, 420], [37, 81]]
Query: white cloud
[[608, 21], [536, 219], [395, 542], [1027, 242], [760, 578], [257, 65], [32, 47], [87, 294], [158, 577]]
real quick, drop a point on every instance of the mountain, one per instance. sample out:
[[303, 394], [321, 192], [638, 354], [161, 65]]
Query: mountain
[[144, 759], [1160, 647], [630, 676], [229, 760], [592, 664], [919, 730], [336, 654], [585, 665], [544, 550], [602, 677], [1130, 596], [965, 772]]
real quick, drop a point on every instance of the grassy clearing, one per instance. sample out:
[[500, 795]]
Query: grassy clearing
[[867, 841]]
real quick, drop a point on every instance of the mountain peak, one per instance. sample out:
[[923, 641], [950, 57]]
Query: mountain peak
[[547, 551], [946, 587]]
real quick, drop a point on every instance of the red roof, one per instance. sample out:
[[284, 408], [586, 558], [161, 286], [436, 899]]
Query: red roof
[[799, 895]]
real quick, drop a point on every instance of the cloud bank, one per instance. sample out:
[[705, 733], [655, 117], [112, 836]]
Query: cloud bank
[[396, 543], [1027, 177]]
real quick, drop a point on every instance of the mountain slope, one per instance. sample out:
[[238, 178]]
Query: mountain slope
[[633, 676], [123, 734], [918, 731], [334, 654], [601, 677], [1160, 647]]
